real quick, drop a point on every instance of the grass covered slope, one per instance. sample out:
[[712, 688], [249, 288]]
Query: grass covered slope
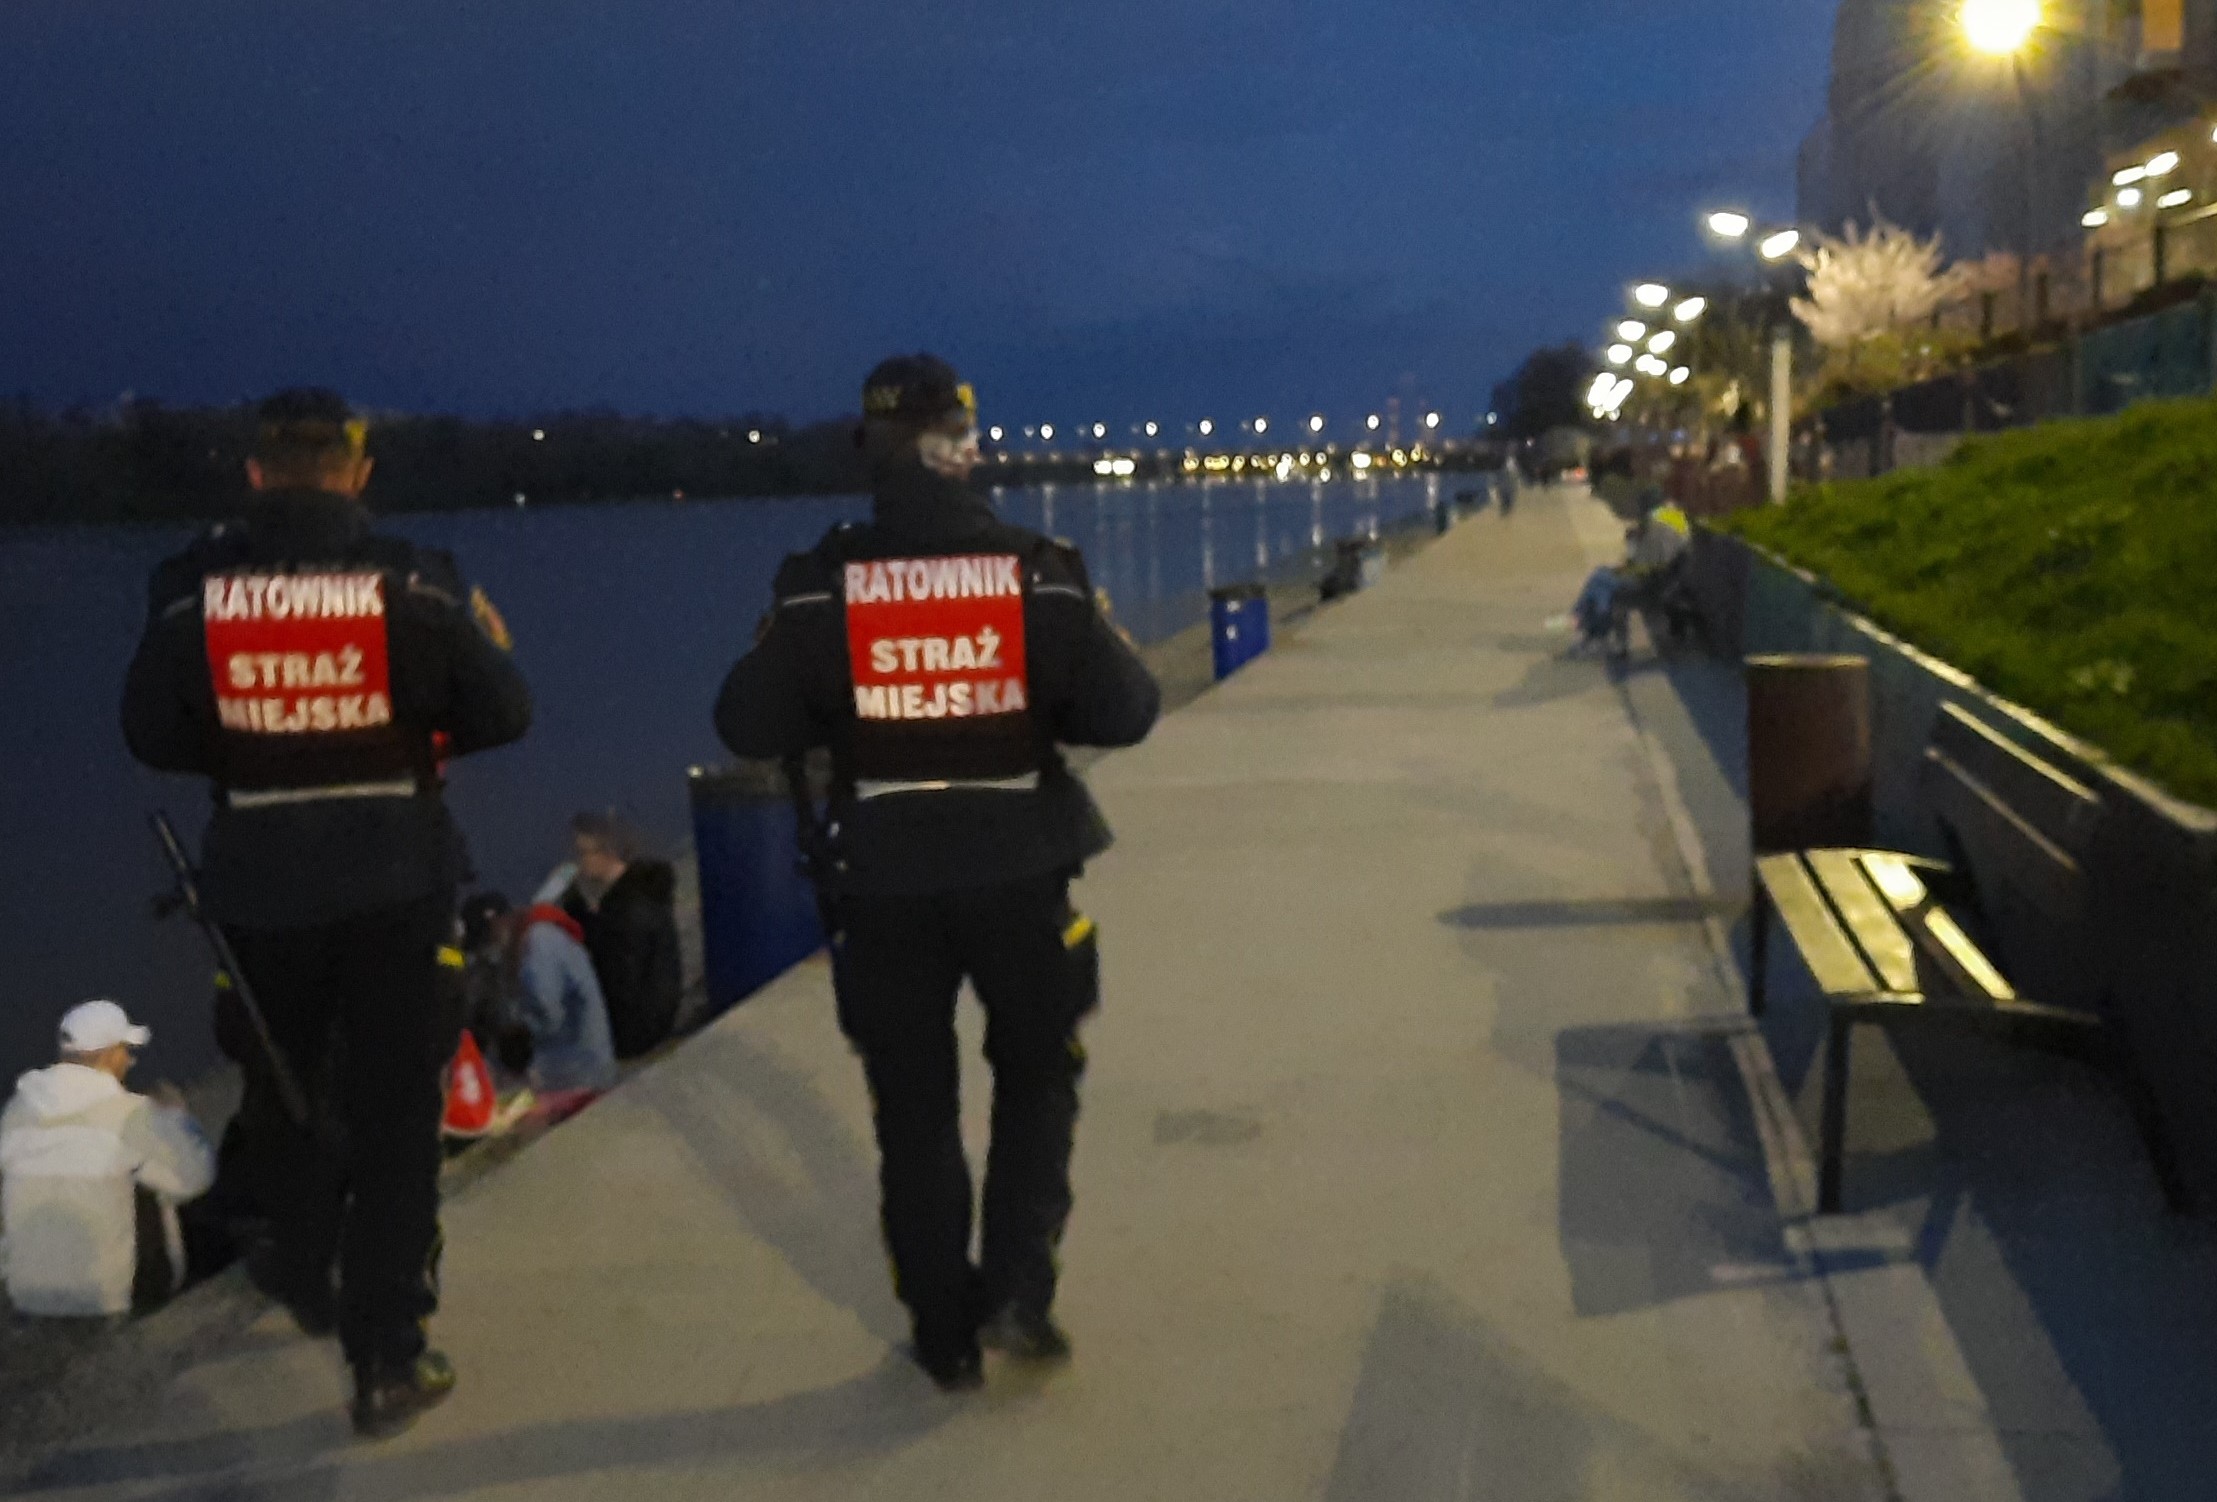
[[2071, 567]]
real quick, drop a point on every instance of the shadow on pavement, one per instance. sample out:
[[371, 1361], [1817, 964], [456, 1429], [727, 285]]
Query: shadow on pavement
[[1445, 1408], [827, 1231], [1547, 679], [306, 1460], [1664, 1192], [1582, 913]]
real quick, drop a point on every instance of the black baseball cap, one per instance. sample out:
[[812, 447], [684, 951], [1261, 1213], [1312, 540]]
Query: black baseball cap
[[304, 420], [916, 388]]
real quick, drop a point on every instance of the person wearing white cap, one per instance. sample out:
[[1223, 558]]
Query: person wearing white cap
[[79, 1154]]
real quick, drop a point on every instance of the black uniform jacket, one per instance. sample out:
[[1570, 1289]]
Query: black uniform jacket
[[794, 692], [311, 862]]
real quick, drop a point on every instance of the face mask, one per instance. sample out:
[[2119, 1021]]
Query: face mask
[[951, 454]]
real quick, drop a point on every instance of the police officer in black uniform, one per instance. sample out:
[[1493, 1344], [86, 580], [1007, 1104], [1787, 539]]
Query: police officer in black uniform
[[942, 655], [319, 674]]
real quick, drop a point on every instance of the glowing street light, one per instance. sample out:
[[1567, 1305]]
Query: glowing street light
[[1316, 423], [1371, 422], [1651, 294], [1152, 430], [2163, 164], [1262, 425], [2176, 198], [1999, 28], [1047, 431], [1690, 309], [2128, 198], [1207, 427], [539, 435], [1727, 225], [1661, 343], [1680, 376], [1779, 246], [1431, 419], [1631, 328], [1649, 365], [1100, 430], [1619, 353], [2094, 218], [995, 433]]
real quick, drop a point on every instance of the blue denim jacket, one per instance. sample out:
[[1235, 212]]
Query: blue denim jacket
[[568, 1018]]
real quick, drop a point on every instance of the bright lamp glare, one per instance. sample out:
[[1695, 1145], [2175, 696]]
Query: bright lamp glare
[[1680, 376], [2128, 198], [1619, 353], [2128, 176], [1651, 294], [1999, 27], [2176, 198], [1779, 246], [1631, 328], [1690, 309], [1661, 343], [2094, 218], [1729, 226], [2163, 164]]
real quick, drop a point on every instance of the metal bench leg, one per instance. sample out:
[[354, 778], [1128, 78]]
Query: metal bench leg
[[1758, 945], [1834, 1145]]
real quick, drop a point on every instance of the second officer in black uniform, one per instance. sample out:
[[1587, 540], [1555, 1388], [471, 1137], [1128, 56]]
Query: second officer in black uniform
[[318, 675], [943, 656]]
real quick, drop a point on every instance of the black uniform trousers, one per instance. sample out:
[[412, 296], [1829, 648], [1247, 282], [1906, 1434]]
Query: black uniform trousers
[[1035, 966], [359, 1009]]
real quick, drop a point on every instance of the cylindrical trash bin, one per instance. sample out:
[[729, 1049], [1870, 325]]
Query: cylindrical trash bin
[[1808, 751], [1357, 563], [1239, 626], [758, 911]]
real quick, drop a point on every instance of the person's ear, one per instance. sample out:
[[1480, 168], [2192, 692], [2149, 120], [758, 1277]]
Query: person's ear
[[256, 478]]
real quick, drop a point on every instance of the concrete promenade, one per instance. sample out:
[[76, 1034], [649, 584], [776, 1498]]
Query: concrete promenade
[[1416, 1161]]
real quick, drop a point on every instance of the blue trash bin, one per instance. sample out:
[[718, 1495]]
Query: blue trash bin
[[1239, 626], [758, 912]]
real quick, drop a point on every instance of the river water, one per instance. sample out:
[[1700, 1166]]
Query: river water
[[626, 618]]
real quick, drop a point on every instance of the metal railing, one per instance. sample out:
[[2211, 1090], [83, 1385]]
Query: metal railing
[[2115, 271]]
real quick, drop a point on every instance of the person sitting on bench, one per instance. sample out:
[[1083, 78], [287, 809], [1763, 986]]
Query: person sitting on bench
[[1652, 547]]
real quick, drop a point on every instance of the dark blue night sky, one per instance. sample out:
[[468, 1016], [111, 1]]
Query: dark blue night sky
[[1155, 208]]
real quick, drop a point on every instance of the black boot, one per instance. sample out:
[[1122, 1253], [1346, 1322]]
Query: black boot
[[1026, 1335], [950, 1358], [388, 1398]]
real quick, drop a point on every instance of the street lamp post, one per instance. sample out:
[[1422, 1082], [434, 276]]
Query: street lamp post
[[1773, 245]]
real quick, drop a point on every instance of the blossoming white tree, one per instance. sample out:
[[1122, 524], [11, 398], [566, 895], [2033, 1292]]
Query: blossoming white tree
[[1870, 303]]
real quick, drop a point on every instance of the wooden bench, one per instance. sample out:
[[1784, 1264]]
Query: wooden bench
[[1881, 934]]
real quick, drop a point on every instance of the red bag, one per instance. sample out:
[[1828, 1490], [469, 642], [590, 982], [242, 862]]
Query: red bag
[[470, 1101]]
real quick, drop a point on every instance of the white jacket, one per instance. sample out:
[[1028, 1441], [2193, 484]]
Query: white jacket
[[73, 1145]]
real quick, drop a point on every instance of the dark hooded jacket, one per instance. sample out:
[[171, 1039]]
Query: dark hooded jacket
[[453, 691], [795, 692], [632, 936]]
